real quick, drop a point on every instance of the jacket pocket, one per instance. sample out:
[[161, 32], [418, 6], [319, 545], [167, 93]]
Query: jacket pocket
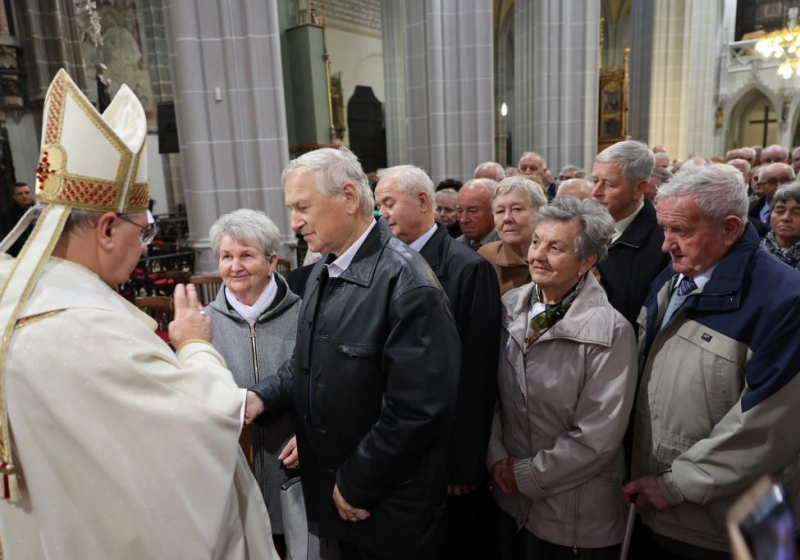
[[356, 351]]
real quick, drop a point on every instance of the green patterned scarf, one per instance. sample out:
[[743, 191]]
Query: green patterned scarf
[[552, 313]]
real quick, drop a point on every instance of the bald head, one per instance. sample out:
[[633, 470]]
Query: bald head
[[774, 154], [742, 166], [532, 163], [661, 159], [579, 188], [490, 170]]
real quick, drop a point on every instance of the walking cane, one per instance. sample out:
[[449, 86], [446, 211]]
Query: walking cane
[[626, 543]]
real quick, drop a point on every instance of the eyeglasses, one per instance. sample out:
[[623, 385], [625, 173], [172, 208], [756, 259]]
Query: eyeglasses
[[776, 182], [148, 232]]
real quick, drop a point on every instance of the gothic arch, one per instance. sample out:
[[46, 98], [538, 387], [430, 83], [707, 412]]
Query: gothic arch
[[733, 108]]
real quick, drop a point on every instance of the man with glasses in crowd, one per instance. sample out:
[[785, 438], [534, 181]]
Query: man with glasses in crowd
[[770, 178]]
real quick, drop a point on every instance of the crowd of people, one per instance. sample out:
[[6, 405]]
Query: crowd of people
[[490, 370]]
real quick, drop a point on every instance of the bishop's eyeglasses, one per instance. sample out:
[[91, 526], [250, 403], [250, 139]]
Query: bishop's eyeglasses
[[149, 231]]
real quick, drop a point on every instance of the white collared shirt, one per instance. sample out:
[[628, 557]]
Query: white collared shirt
[[421, 241], [701, 279], [337, 267], [622, 225]]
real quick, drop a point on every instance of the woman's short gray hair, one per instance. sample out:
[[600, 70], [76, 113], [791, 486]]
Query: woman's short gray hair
[[248, 227], [785, 193], [595, 222], [522, 185], [334, 168], [718, 189], [636, 158]]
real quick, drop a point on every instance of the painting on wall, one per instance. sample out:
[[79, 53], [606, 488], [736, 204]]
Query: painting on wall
[[123, 51]]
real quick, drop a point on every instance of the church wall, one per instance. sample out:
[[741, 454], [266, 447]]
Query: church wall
[[24, 142]]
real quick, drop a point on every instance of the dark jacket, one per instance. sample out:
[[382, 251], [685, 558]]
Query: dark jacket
[[633, 262], [471, 287], [754, 217], [8, 220], [373, 381]]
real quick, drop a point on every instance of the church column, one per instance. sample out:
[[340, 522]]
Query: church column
[[640, 70], [556, 51], [393, 22], [684, 68], [448, 85], [229, 105]]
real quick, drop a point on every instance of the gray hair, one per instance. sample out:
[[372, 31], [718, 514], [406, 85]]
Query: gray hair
[[719, 191], [579, 171], [249, 227], [526, 154], [663, 174], [763, 167], [636, 158], [661, 155], [785, 193], [595, 222], [79, 219], [410, 179], [334, 168], [795, 150], [499, 172], [485, 184], [692, 163], [749, 152], [527, 188], [449, 193]]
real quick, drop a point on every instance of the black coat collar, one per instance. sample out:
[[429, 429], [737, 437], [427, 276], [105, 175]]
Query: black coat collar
[[638, 231]]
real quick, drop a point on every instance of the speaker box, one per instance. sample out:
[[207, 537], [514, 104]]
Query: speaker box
[[167, 128]]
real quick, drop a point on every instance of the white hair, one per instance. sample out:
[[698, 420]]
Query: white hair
[[485, 184], [749, 152], [595, 222], [519, 184], [412, 180], [499, 172], [248, 227], [766, 166], [526, 154], [636, 158], [334, 168], [569, 168], [718, 189], [449, 193]]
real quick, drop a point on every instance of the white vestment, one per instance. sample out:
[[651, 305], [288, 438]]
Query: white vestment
[[126, 450]]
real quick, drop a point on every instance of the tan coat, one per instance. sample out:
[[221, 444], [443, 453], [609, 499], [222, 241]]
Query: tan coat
[[564, 407], [512, 271]]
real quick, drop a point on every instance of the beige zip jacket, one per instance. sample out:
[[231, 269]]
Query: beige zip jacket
[[564, 406]]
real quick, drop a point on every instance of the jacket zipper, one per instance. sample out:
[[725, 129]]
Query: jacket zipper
[[257, 377]]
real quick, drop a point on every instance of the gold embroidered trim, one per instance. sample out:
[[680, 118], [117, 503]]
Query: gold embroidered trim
[[5, 443], [25, 321], [61, 88]]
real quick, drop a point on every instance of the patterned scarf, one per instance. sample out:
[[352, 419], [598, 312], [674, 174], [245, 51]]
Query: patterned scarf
[[552, 313], [789, 255]]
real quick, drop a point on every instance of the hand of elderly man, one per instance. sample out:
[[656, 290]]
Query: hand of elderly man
[[503, 475], [346, 511], [253, 407], [649, 492], [289, 455], [189, 322]]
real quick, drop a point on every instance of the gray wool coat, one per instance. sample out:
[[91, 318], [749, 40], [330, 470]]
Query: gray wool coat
[[274, 335]]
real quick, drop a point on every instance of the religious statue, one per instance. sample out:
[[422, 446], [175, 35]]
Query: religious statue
[[718, 117], [103, 84]]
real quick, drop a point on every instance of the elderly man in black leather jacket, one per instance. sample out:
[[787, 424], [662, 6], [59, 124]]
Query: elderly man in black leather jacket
[[374, 376]]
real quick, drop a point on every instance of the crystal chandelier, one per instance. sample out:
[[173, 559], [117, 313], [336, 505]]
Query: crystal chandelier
[[783, 45]]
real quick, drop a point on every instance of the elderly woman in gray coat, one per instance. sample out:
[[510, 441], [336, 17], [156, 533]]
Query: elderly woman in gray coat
[[254, 321], [567, 377]]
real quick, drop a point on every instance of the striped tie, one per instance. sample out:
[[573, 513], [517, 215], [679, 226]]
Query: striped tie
[[686, 286]]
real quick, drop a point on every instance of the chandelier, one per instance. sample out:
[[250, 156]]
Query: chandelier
[[783, 45]]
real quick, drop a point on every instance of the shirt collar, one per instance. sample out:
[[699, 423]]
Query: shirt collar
[[337, 267], [421, 241], [700, 279], [622, 225]]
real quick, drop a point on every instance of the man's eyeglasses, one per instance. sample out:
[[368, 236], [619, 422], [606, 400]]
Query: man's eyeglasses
[[148, 232], [775, 182]]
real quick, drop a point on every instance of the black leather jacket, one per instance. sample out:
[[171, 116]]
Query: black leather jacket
[[373, 382]]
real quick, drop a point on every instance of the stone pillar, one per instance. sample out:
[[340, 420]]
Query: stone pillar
[[448, 85], [393, 23], [556, 51], [228, 89], [684, 65], [640, 70]]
